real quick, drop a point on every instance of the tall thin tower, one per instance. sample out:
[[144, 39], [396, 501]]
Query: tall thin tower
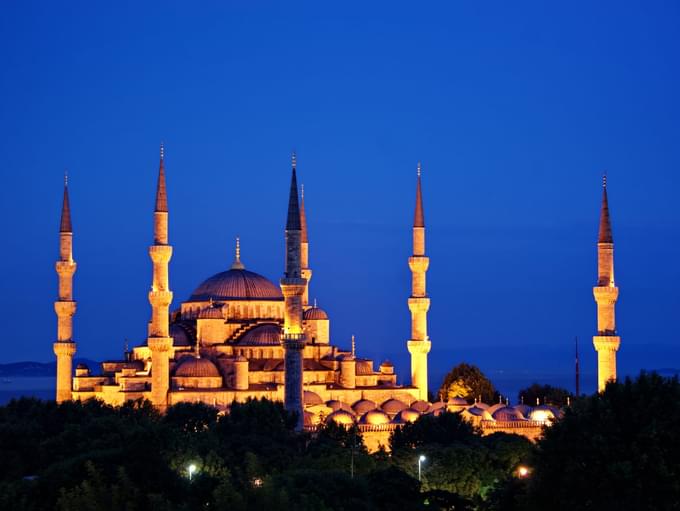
[[606, 293], [293, 288], [65, 306], [304, 248], [160, 296], [419, 303]]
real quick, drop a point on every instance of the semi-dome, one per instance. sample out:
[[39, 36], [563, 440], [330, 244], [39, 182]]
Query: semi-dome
[[315, 313], [267, 334], [507, 413], [183, 334], [312, 398], [407, 415], [211, 312], [236, 284], [192, 367], [420, 406]]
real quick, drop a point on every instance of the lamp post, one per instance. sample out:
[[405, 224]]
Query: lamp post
[[192, 469], [421, 458]]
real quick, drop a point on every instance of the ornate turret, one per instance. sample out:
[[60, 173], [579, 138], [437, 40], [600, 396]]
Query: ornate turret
[[293, 287], [606, 293], [160, 296], [304, 248], [419, 303], [65, 306]]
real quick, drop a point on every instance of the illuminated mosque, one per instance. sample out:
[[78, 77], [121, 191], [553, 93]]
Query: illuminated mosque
[[241, 336]]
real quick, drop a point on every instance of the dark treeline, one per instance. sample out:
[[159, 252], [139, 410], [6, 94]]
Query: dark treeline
[[619, 450]]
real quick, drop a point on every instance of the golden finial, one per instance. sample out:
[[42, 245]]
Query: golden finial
[[354, 346], [238, 249], [419, 169], [293, 160], [162, 151]]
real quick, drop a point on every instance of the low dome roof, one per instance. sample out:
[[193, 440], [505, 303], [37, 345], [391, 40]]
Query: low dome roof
[[339, 405], [236, 284], [211, 312], [375, 417], [364, 405], [267, 334], [393, 406], [193, 367], [386, 363], [457, 401], [420, 406], [507, 413], [315, 313], [341, 417], [408, 415]]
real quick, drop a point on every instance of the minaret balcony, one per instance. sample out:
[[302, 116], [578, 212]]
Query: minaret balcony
[[606, 294], [65, 308], [606, 342], [418, 263], [160, 253], [62, 348], [65, 268]]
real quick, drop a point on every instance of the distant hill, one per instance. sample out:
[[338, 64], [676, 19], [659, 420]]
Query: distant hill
[[33, 369]]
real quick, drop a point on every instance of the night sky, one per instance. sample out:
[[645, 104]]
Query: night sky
[[515, 113]]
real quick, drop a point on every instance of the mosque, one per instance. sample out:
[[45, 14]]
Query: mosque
[[241, 336]]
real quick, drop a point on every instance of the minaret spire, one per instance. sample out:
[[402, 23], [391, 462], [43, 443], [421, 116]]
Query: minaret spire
[[306, 271], [160, 296], [65, 306], [606, 294], [293, 287], [577, 369], [419, 303]]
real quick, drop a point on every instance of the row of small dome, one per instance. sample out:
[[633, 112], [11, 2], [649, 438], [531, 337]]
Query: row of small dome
[[395, 411]]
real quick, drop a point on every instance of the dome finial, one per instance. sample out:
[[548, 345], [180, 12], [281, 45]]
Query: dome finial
[[162, 151], [293, 159], [604, 179], [65, 178], [315, 303], [237, 264], [354, 346], [419, 169]]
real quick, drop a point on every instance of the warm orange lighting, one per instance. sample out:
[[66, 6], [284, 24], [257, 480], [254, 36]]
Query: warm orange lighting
[[522, 472]]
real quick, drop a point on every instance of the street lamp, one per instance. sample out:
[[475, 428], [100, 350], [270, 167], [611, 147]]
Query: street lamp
[[522, 471], [192, 469], [421, 458]]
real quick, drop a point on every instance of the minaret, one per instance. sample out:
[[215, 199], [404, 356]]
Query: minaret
[[293, 288], [606, 293], [304, 247], [419, 345], [65, 307], [160, 296]]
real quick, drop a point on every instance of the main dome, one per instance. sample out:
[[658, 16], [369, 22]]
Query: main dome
[[236, 284]]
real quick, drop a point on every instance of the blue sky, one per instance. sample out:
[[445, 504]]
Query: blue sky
[[515, 111]]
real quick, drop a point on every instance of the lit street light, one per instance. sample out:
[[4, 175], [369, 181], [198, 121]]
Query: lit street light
[[421, 458], [522, 471], [192, 469]]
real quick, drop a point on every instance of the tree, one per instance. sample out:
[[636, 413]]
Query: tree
[[468, 381], [616, 450], [444, 429], [545, 394]]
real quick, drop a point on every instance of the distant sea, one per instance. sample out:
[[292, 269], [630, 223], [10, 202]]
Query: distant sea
[[42, 387]]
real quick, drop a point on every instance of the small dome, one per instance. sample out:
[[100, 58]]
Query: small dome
[[193, 367], [481, 404], [267, 334], [386, 363], [393, 406], [312, 398], [336, 405], [492, 409], [457, 401], [525, 409], [375, 417], [545, 412], [311, 419], [420, 406], [478, 412], [82, 366], [341, 417], [363, 405], [507, 413], [439, 405], [408, 415], [347, 357], [315, 313], [236, 284]]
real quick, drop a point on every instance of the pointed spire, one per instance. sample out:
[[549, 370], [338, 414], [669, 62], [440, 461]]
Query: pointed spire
[[303, 216], [293, 222], [419, 217], [65, 225], [161, 194], [237, 264], [354, 346], [605, 235]]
